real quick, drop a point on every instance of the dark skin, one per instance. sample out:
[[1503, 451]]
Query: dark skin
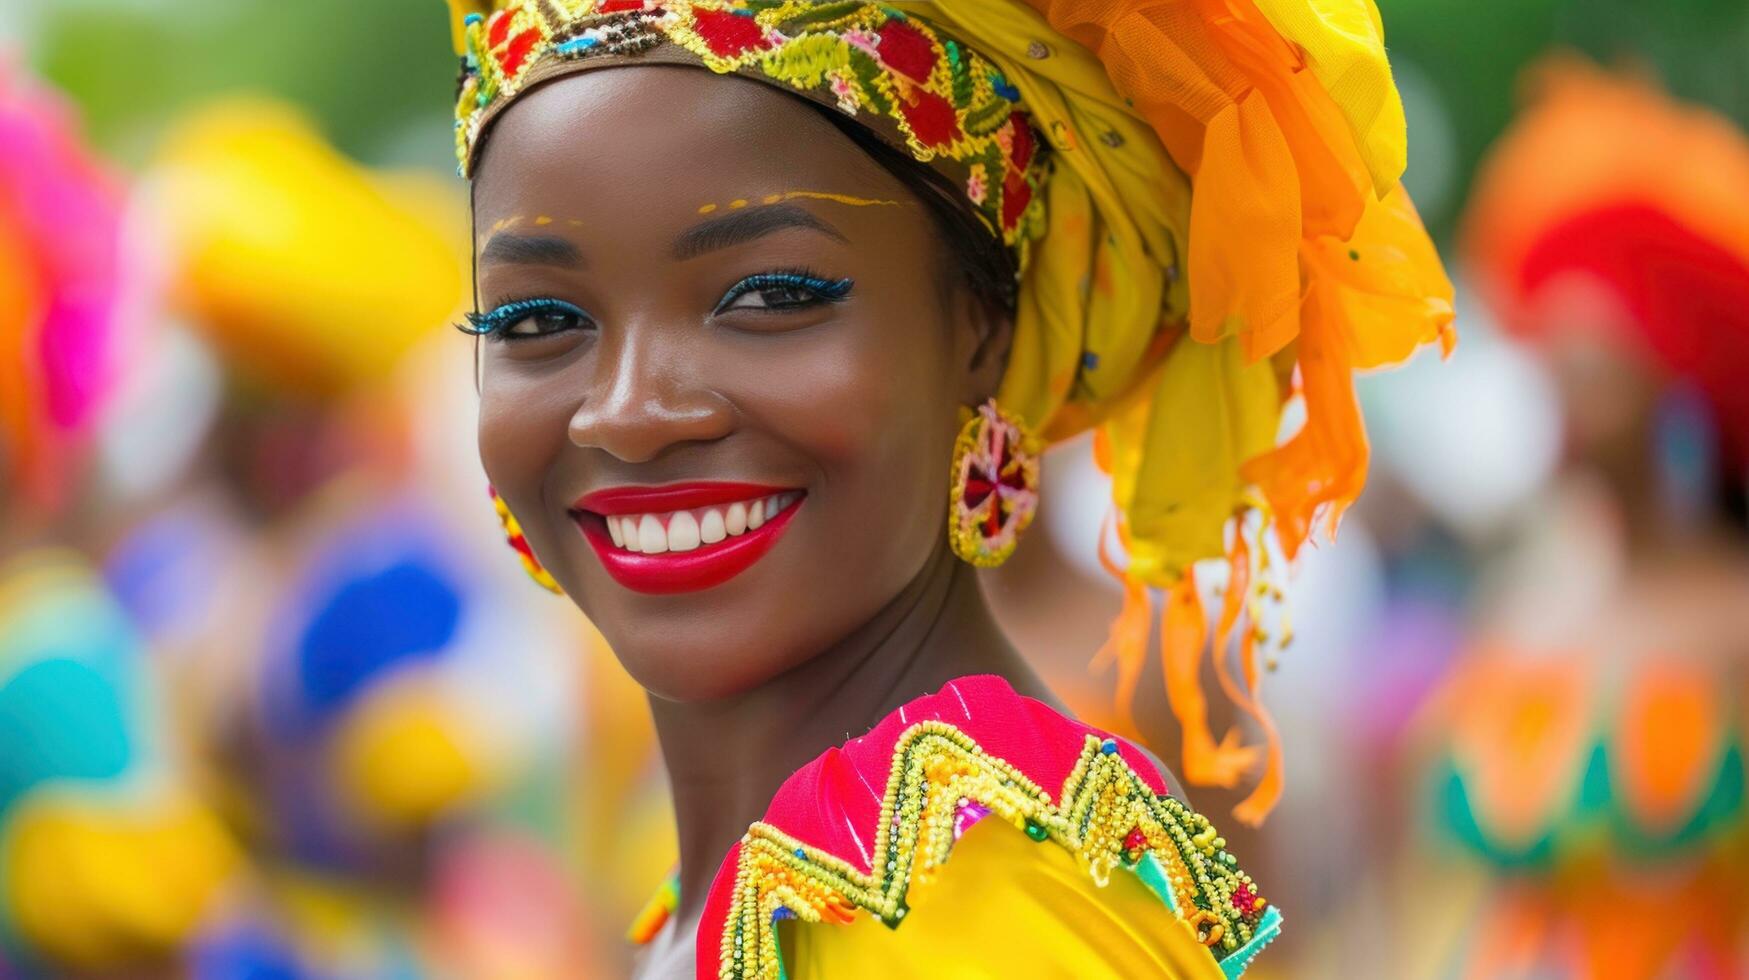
[[860, 606]]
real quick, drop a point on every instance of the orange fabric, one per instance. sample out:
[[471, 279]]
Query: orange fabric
[[1515, 721], [1304, 251], [1668, 743]]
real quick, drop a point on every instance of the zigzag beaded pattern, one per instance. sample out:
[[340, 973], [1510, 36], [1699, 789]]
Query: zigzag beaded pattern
[[1107, 815], [924, 92]]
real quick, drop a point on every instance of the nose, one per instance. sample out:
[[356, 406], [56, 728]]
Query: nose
[[646, 396]]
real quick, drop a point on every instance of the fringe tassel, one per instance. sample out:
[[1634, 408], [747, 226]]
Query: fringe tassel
[[1127, 644], [1183, 640], [1239, 603]]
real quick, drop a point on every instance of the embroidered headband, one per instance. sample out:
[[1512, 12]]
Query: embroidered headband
[[925, 93]]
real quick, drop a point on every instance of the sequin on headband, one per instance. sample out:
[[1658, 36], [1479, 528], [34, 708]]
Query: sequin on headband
[[925, 93]]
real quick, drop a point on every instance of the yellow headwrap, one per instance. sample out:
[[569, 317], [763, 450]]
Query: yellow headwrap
[[1223, 232]]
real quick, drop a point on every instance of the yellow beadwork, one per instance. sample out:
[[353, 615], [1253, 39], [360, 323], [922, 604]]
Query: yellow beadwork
[[513, 533], [936, 768]]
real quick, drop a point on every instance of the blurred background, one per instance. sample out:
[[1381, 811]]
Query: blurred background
[[277, 701]]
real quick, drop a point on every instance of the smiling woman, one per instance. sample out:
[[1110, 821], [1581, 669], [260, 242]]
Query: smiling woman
[[740, 328]]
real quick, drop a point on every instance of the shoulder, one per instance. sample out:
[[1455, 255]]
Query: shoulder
[[851, 834]]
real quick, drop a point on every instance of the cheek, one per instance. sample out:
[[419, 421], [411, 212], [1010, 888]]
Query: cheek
[[522, 432], [877, 416]]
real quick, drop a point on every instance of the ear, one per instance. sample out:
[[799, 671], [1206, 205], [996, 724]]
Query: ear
[[986, 334]]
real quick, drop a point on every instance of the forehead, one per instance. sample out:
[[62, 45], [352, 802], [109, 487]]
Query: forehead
[[639, 139]]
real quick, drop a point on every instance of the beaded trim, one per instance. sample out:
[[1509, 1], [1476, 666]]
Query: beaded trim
[[927, 94], [1105, 814], [513, 535]]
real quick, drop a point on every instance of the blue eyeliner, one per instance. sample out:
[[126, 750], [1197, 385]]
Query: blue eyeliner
[[507, 315], [816, 287]]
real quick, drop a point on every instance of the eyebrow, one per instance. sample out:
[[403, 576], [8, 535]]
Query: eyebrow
[[745, 226], [514, 249]]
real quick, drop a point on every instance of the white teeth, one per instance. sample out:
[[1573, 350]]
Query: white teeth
[[652, 540], [712, 529], [688, 530], [683, 532]]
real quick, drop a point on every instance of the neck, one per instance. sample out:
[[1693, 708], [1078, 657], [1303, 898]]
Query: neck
[[727, 758]]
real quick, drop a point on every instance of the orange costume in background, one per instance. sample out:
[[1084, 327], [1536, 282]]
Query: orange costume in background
[[1602, 782]]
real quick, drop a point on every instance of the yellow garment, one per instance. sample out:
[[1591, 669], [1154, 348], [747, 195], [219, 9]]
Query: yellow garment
[[1005, 907]]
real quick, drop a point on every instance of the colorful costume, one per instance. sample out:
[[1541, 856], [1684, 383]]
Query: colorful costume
[[1602, 790], [869, 827], [1201, 199]]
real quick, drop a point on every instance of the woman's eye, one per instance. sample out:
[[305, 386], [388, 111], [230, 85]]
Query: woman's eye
[[783, 291], [543, 323], [525, 319]]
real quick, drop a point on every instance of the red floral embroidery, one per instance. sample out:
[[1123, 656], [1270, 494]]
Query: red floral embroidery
[[905, 50], [728, 35], [520, 46], [498, 29], [1016, 195], [932, 119], [1023, 147]]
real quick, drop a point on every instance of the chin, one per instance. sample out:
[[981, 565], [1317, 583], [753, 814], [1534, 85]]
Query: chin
[[694, 669]]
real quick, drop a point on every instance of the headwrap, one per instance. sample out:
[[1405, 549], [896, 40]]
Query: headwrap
[[1209, 226], [1584, 184]]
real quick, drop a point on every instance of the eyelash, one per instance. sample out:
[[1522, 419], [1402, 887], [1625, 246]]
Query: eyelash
[[496, 322], [818, 288]]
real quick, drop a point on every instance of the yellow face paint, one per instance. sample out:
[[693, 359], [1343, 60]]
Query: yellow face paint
[[845, 199], [848, 200], [498, 226], [543, 220]]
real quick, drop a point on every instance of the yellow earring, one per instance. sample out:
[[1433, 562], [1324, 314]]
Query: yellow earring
[[513, 533], [995, 486]]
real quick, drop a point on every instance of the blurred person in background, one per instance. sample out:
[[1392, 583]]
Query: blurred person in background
[[109, 855], [1587, 752], [255, 717], [372, 712], [723, 357]]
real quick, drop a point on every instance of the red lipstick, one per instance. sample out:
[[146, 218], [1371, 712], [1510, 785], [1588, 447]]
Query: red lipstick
[[675, 572]]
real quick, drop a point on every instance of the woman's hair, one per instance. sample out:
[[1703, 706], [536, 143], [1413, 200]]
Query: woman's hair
[[975, 256]]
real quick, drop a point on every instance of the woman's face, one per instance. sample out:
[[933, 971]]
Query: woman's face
[[721, 395]]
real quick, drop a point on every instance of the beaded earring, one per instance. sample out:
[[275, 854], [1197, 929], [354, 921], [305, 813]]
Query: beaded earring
[[513, 533], [995, 486]]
